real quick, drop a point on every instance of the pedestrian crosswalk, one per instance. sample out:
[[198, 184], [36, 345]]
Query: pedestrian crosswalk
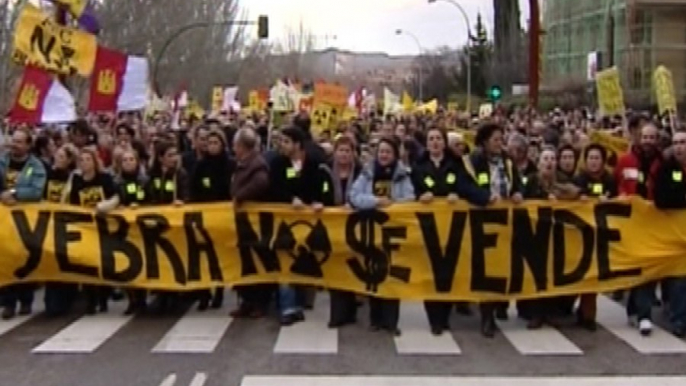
[[458, 381], [200, 333]]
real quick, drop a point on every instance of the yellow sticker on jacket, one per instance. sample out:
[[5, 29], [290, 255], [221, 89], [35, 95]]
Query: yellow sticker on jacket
[[140, 195], [158, 183], [677, 176], [325, 188], [206, 182], [641, 178], [450, 179], [131, 188], [525, 180], [429, 182], [169, 186], [291, 173], [597, 188], [483, 179]]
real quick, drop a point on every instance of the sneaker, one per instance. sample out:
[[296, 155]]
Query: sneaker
[[645, 327], [9, 313]]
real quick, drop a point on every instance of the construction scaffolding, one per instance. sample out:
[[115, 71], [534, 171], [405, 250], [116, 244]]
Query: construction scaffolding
[[639, 34]]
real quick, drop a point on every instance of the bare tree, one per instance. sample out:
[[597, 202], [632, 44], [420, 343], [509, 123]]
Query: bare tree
[[9, 73]]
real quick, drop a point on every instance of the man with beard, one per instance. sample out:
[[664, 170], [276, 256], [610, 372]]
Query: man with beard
[[635, 175], [22, 180]]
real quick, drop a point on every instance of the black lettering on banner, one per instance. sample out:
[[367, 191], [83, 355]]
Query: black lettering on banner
[[606, 235], [377, 261], [152, 227], [564, 217], [116, 241], [443, 262], [530, 246], [39, 43], [193, 222], [480, 241], [32, 239], [249, 241], [63, 236]]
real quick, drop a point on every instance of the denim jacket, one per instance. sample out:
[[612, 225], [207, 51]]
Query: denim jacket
[[362, 196], [30, 182]]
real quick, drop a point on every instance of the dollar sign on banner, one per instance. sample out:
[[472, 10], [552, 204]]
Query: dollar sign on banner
[[377, 265]]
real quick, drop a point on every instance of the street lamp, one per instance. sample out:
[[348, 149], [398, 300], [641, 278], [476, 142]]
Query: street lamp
[[421, 51], [262, 23], [469, 56]]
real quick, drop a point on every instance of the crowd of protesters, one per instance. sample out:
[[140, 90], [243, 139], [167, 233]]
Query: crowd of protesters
[[106, 162]]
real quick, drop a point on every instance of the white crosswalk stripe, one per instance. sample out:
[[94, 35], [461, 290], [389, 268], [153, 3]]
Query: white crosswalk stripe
[[612, 317], [416, 335], [544, 341], [201, 333], [311, 336], [458, 381], [87, 333]]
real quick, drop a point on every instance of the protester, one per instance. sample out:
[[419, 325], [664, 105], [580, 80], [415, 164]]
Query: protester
[[210, 181], [131, 181], [494, 172], [22, 180], [338, 183], [439, 174], [250, 184], [379, 185]]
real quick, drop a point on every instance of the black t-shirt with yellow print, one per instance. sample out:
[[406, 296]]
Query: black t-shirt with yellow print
[[55, 185], [90, 193], [12, 173]]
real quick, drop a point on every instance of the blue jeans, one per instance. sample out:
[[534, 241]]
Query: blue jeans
[[641, 300], [677, 302], [288, 302]]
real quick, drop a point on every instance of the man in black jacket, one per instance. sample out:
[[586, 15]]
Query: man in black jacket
[[295, 178], [670, 193]]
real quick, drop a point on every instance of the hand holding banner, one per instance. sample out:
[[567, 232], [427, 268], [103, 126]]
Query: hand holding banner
[[40, 41]]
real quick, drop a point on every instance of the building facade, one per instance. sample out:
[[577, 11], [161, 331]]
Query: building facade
[[634, 35]]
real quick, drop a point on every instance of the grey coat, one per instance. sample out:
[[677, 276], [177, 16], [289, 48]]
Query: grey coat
[[362, 197]]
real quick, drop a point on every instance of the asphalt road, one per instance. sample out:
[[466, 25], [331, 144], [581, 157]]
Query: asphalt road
[[210, 349]]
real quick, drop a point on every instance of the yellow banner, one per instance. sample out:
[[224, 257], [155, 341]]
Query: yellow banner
[[40, 41], [664, 90], [610, 94], [411, 251]]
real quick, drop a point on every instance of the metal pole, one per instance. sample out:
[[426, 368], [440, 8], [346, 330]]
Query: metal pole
[[180, 32], [469, 53], [421, 66]]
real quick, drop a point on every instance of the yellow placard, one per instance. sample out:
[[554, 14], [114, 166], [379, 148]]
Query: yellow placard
[[406, 252], [254, 101], [485, 110], [321, 118], [217, 99], [40, 41], [610, 94], [664, 90]]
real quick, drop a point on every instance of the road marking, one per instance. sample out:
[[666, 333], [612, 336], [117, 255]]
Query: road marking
[[311, 336], [170, 380], [416, 335], [196, 332], [612, 316], [87, 333], [543, 341], [199, 379], [9, 325], [459, 381]]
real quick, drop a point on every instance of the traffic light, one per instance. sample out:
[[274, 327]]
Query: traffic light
[[263, 27], [495, 93]]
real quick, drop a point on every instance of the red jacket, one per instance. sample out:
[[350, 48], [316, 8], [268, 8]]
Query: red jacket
[[631, 180]]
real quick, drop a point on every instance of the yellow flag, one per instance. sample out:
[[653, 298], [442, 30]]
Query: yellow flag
[[610, 94], [664, 90], [194, 110], [431, 106], [217, 99], [408, 103], [40, 41]]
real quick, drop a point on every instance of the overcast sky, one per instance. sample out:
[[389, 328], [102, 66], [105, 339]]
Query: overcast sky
[[369, 25]]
